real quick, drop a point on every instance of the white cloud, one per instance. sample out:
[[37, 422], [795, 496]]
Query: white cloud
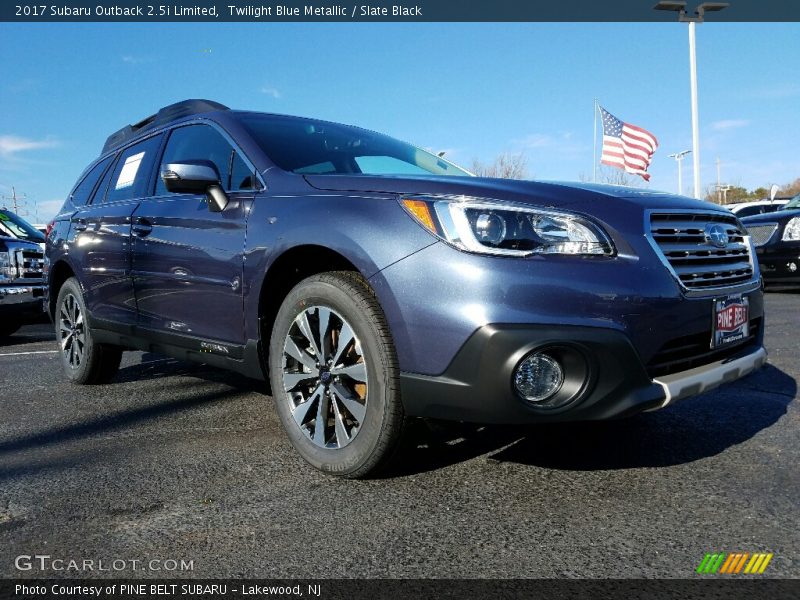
[[12, 144], [270, 91], [535, 140], [727, 124], [47, 209]]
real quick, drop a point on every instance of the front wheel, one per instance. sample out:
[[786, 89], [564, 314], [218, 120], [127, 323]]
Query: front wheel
[[84, 360], [334, 375]]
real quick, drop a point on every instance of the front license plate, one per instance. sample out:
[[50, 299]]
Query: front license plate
[[731, 320]]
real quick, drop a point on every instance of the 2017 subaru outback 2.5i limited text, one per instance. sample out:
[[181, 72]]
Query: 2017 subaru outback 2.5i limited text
[[373, 282]]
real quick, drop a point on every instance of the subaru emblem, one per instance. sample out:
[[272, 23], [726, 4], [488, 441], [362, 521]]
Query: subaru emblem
[[716, 235]]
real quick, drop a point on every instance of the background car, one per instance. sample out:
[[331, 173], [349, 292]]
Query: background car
[[12, 225], [21, 286], [757, 207], [776, 237]]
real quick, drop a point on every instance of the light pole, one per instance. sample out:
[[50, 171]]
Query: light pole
[[678, 156], [680, 7]]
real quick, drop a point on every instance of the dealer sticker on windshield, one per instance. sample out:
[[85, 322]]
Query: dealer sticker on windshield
[[731, 320]]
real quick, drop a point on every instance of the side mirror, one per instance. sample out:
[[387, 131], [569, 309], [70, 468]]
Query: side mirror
[[196, 177]]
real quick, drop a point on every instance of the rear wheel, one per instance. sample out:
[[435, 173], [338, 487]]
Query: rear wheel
[[84, 360], [334, 375]]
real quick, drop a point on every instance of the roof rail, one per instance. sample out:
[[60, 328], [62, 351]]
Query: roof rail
[[164, 115]]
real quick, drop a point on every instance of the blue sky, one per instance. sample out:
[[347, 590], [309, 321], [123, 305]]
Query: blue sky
[[475, 90]]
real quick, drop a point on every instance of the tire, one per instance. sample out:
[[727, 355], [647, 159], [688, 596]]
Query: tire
[[85, 361], [7, 329], [358, 390]]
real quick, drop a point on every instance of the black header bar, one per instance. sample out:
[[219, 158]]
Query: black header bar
[[272, 11], [744, 588]]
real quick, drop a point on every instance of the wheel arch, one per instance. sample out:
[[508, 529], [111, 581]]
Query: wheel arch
[[59, 273], [285, 272]]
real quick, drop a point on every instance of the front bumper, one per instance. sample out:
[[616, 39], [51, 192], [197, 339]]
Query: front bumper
[[22, 299], [780, 262], [477, 386]]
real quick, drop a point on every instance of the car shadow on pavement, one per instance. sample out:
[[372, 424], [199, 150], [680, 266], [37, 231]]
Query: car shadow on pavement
[[157, 366], [111, 422], [28, 337], [691, 430]]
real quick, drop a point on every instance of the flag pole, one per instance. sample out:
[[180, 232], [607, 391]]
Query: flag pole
[[594, 152]]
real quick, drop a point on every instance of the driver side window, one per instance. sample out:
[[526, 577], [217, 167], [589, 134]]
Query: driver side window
[[203, 142]]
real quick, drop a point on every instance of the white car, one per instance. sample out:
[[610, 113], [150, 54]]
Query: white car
[[757, 207]]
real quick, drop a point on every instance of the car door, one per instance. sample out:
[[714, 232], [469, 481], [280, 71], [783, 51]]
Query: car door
[[187, 261], [100, 232]]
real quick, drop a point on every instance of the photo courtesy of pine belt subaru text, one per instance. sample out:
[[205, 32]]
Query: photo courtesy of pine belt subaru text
[[370, 282]]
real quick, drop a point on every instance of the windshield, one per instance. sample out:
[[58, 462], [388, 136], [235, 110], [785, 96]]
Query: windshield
[[11, 224], [793, 204], [307, 146]]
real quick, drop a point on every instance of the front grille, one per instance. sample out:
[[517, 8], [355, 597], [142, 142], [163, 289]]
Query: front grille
[[27, 264], [690, 351], [761, 234], [698, 264]]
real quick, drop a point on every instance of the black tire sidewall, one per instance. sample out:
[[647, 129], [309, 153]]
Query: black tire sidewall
[[83, 373], [359, 454]]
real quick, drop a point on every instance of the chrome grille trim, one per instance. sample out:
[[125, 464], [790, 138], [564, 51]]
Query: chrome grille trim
[[761, 233], [27, 264], [678, 238]]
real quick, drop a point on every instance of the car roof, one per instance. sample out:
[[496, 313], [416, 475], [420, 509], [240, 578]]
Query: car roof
[[164, 116]]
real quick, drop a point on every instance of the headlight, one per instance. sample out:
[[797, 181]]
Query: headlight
[[5, 266], [792, 231], [507, 229]]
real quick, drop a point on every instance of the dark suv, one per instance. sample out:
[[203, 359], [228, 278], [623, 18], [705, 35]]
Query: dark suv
[[372, 281]]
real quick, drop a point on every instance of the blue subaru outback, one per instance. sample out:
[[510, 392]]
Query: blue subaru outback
[[371, 282]]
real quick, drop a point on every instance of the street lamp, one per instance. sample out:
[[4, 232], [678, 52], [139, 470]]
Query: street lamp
[[680, 7], [678, 156]]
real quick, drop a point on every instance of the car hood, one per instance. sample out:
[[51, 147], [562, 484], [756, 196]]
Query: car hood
[[576, 196], [7, 239], [774, 217]]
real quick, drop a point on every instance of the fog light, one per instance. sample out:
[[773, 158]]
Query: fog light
[[538, 377]]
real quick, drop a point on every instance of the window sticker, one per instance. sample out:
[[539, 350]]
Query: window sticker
[[128, 172]]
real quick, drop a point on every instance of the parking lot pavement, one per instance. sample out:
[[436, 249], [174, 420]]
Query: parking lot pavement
[[176, 461]]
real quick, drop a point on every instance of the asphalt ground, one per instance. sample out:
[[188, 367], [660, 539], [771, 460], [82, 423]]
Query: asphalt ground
[[181, 462]]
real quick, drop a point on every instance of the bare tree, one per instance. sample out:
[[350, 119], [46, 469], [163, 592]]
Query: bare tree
[[790, 189], [613, 176], [504, 166]]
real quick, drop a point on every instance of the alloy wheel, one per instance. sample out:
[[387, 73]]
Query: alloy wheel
[[325, 377], [72, 331]]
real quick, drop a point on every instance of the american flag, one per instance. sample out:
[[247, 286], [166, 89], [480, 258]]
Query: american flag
[[626, 146]]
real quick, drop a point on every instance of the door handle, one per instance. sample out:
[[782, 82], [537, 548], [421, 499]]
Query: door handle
[[141, 227], [80, 224]]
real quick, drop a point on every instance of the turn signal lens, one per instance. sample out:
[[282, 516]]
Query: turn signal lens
[[421, 211]]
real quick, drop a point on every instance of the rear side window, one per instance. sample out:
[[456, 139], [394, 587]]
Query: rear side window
[[203, 142], [132, 171], [748, 211], [83, 191]]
